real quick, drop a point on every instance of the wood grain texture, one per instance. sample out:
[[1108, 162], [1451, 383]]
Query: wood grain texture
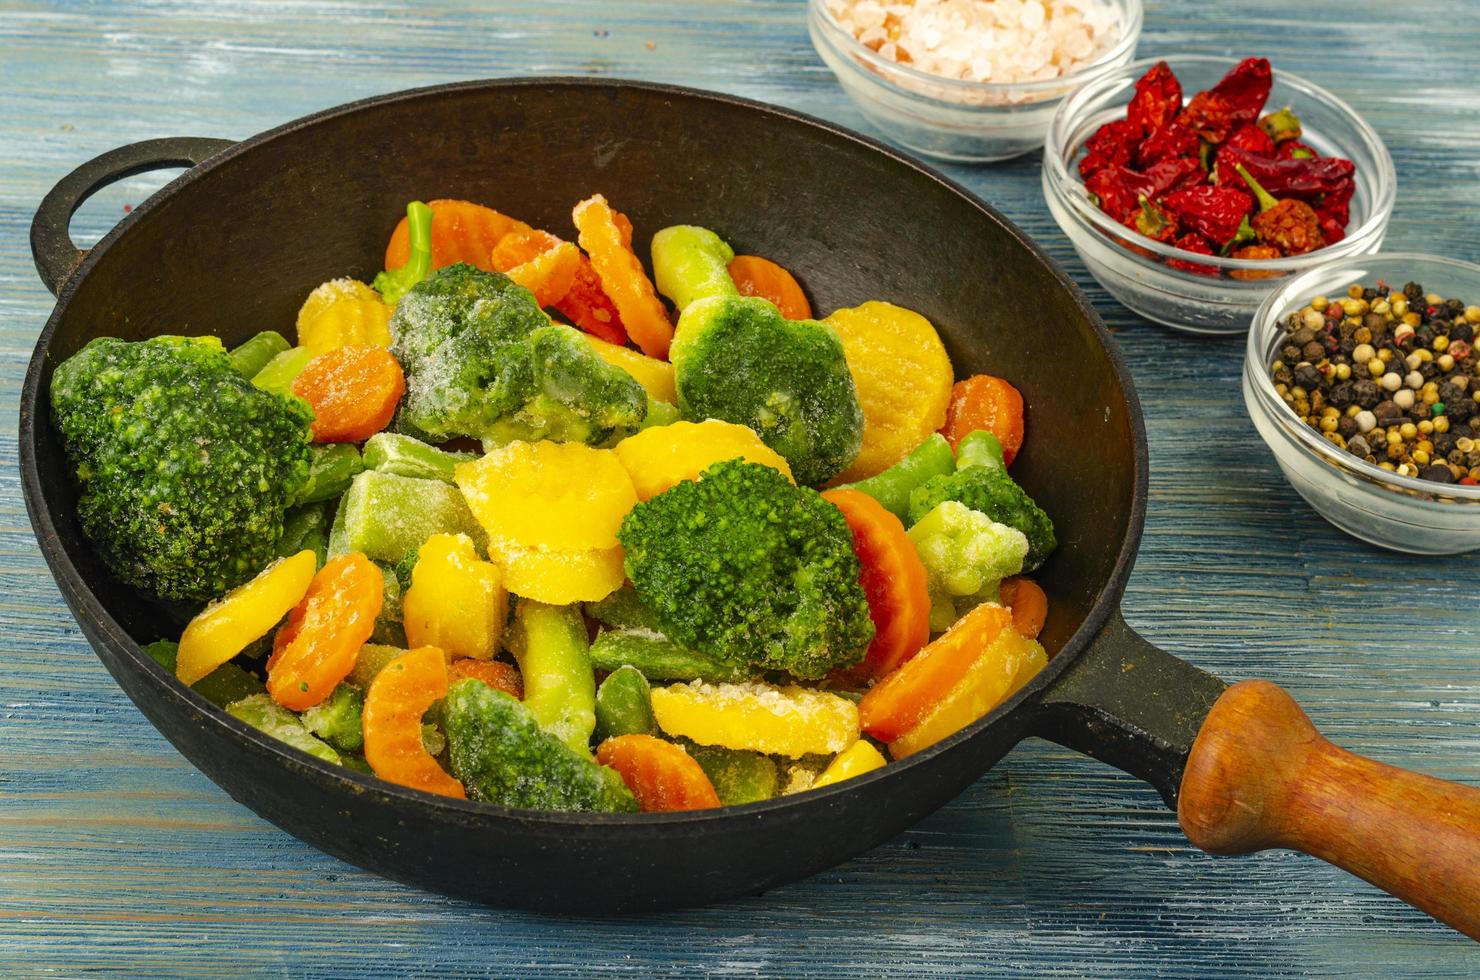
[[116, 856], [1261, 776]]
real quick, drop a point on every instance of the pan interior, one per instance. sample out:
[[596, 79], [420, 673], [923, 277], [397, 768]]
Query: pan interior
[[235, 249]]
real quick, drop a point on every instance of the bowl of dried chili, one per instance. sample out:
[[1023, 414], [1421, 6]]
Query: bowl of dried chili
[[1194, 186]]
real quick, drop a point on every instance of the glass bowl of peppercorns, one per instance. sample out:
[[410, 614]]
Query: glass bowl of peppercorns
[[1363, 377], [1151, 171]]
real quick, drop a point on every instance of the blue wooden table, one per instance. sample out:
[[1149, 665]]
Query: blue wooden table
[[116, 856]]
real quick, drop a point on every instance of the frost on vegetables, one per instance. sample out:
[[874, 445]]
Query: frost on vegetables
[[458, 531]]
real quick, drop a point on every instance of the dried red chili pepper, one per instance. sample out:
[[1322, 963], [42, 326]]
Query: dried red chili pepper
[[1255, 252], [1172, 173], [1333, 229], [1248, 138], [1306, 179], [1115, 197], [1289, 224], [1155, 222], [1111, 145], [1157, 101], [1208, 115], [1193, 242], [1213, 212], [1170, 141], [1245, 89]]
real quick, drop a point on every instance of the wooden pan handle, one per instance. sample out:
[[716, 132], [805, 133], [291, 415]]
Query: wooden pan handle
[[1261, 776]]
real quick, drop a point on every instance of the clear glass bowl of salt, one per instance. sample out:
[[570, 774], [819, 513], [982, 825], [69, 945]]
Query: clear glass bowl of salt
[[970, 82]]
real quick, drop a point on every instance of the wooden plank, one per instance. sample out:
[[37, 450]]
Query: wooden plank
[[116, 856]]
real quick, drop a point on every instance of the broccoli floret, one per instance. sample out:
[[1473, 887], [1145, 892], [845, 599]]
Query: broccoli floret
[[184, 468], [982, 484], [501, 755], [738, 359], [483, 360], [965, 554], [575, 395], [751, 570]]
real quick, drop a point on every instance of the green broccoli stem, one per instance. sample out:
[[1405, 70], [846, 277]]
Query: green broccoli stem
[[278, 374], [333, 466], [337, 719], [549, 643], [253, 355], [395, 283], [980, 448], [272, 719], [660, 413], [624, 705], [390, 452], [305, 528], [691, 263], [661, 659], [892, 487]]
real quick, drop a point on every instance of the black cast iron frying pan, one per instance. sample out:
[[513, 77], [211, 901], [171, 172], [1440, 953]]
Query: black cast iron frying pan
[[234, 244]]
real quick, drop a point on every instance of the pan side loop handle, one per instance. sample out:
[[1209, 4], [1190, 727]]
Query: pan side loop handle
[[1261, 776], [57, 257]]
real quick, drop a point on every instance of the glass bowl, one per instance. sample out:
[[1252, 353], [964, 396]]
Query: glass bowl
[[1398, 512], [951, 119], [1225, 299]]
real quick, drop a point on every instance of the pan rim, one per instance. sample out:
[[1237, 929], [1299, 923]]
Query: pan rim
[[84, 601]]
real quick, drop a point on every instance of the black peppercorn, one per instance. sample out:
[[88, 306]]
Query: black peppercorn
[[1290, 353], [1414, 292], [1367, 393], [1443, 443], [1460, 409], [1438, 472], [1313, 351], [1347, 427], [1462, 331], [1307, 376], [1302, 336], [1283, 376], [1428, 370], [1357, 446], [1343, 395], [1387, 412]]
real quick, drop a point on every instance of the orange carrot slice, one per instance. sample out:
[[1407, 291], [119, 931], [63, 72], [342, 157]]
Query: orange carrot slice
[[606, 235], [316, 647], [893, 579], [461, 232], [353, 392], [755, 276], [661, 775], [400, 694], [985, 402], [1028, 603], [591, 309], [898, 702], [540, 262], [496, 674]]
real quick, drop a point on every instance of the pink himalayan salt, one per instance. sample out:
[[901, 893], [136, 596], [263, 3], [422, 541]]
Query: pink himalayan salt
[[997, 41]]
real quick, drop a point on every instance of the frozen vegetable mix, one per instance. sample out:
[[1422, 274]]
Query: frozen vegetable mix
[[523, 524]]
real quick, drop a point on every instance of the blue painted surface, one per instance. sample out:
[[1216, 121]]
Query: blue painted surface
[[116, 856]]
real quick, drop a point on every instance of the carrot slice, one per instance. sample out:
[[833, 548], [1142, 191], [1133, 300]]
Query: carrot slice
[[317, 646], [985, 402], [540, 262], [755, 276], [898, 702], [893, 579], [461, 232], [1028, 603], [606, 235], [661, 775], [400, 694], [496, 674], [353, 392]]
